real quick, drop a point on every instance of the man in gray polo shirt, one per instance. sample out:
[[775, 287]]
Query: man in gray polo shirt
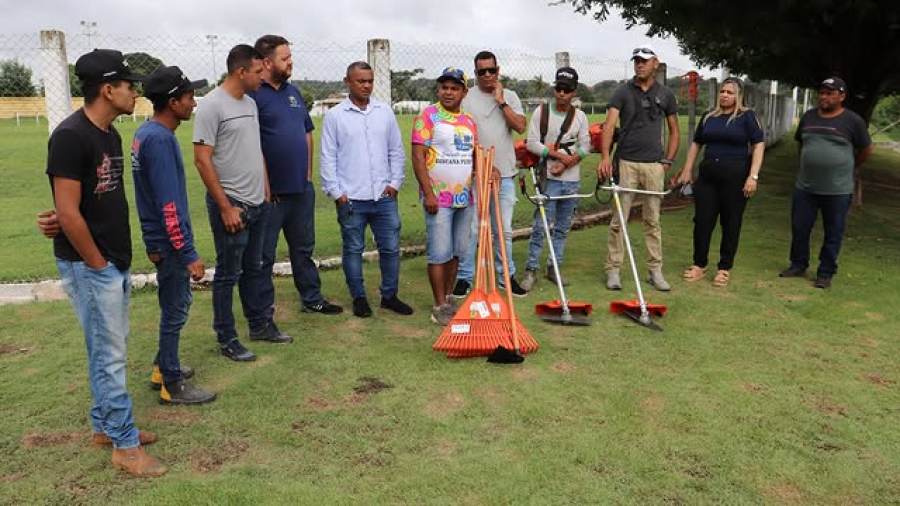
[[229, 157]]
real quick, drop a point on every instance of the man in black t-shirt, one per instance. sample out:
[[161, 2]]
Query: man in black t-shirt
[[93, 250]]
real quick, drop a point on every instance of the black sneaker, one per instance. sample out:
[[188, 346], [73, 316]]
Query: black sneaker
[[182, 392], [517, 290], [792, 272], [361, 307], [156, 377], [323, 307], [271, 334], [396, 305], [236, 351], [461, 288], [822, 282]]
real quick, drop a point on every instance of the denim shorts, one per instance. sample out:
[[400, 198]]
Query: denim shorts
[[448, 233]]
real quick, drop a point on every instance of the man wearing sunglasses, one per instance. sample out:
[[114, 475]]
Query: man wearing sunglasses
[[639, 106], [562, 143], [498, 113]]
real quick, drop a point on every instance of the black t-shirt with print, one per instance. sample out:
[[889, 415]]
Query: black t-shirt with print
[[80, 151]]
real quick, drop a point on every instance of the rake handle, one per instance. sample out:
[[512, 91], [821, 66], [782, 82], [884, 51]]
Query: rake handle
[[495, 192]]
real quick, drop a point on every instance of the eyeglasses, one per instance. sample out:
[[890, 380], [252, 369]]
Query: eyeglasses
[[487, 70], [564, 89]]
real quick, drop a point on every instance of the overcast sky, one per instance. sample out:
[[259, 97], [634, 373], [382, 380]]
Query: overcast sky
[[530, 27]]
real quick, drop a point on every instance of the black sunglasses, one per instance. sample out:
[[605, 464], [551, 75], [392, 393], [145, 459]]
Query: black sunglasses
[[487, 70], [564, 89]]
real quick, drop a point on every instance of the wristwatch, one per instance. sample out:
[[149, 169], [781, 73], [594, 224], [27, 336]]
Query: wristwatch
[[754, 177], [503, 105]]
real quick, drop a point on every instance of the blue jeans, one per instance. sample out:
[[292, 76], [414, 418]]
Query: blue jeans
[[804, 208], [384, 219], [507, 205], [100, 300], [447, 233], [175, 300], [293, 214], [238, 262], [559, 216]]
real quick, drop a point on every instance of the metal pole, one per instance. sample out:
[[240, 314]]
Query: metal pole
[[212, 49]]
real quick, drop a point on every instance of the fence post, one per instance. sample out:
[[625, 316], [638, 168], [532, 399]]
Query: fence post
[[562, 59], [661, 77], [379, 56], [57, 94]]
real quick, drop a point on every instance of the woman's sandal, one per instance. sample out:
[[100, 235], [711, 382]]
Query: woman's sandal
[[694, 273], [721, 279]]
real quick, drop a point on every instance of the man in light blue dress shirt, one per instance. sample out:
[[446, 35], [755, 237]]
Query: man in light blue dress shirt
[[362, 165]]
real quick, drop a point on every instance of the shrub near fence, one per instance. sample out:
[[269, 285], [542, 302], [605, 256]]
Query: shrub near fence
[[404, 75]]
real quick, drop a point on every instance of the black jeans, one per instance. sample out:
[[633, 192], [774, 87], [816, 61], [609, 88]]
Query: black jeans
[[719, 196]]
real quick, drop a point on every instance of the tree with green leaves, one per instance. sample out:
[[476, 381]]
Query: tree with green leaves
[[794, 41], [15, 80], [400, 84], [143, 63]]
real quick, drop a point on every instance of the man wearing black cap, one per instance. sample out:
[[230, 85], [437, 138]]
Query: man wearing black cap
[[643, 105], [162, 204], [834, 144], [558, 133], [93, 250]]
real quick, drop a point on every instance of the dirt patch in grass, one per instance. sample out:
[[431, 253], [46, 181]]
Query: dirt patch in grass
[[784, 493], [829, 408], [408, 332], [489, 394], [370, 385], [172, 415], [50, 439], [653, 404], [524, 374], [792, 297], [444, 449], [753, 388], [878, 380], [445, 405], [563, 367], [211, 460], [11, 478], [321, 404], [11, 350], [868, 342]]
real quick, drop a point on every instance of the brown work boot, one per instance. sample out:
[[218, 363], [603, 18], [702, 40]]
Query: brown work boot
[[144, 437], [137, 462]]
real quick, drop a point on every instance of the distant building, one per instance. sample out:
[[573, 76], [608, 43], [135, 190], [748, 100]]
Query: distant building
[[320, 107]]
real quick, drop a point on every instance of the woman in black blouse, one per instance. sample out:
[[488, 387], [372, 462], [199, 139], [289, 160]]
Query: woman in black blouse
[[728, 175]]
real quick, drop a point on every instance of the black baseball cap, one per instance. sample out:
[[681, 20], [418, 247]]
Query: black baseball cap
[[170, 82], [567, 76], [834, 83], [104, 66]]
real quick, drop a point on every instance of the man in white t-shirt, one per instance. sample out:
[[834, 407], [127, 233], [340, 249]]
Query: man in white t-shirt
[[498, 113]]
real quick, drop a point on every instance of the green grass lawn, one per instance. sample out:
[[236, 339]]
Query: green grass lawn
[[26, 191], [767, 392]]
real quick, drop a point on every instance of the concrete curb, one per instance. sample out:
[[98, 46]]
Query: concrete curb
[[51, 290]]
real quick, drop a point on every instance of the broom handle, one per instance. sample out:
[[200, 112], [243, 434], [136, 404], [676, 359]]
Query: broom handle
[[488, 233], [500, 238], [484, 250]]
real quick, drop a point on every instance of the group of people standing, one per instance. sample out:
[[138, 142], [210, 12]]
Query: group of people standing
[[253, 148]]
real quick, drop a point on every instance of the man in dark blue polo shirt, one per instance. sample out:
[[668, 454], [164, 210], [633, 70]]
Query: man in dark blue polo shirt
[[286, 134]]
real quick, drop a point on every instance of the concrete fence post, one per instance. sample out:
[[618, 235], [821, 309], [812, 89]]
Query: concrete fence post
[[379, 56], [562, 59], [57, 94]]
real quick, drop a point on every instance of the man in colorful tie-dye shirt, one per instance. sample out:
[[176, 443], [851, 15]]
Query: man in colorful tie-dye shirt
[[443, 142]]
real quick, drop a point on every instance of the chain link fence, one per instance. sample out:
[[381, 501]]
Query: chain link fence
[[38, 88]]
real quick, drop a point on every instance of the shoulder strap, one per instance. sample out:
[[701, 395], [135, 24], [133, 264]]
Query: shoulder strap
[[566, 124], [545, 121]]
